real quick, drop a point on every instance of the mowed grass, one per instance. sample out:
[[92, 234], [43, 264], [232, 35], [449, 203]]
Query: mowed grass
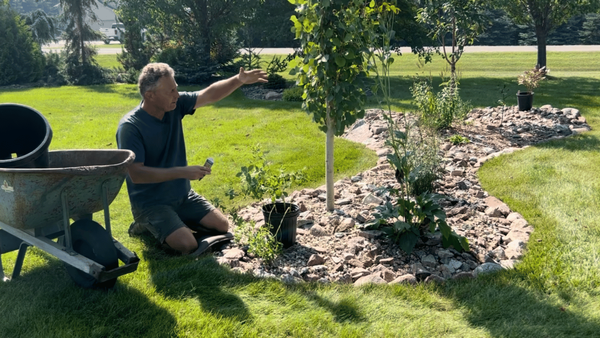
[[554, 292]]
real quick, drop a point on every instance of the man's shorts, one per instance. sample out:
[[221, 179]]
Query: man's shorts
[[163, 220]]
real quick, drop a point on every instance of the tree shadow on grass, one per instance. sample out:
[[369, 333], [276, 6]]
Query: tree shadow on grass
[[207, 281], [45, 302], [504, 307], [201, 278]]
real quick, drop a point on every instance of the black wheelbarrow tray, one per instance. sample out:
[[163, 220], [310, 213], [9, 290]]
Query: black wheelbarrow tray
[[37, 205]]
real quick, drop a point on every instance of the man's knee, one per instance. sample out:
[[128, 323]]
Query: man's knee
[[216, 220], [182, 240]]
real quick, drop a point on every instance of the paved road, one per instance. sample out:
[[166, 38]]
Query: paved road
[[405, 50]]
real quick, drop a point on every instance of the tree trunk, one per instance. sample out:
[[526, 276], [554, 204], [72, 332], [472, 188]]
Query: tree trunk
[[541, 46], [329, 160]]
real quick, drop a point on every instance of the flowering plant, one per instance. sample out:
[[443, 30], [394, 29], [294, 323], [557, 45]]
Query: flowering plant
[[532, 78]]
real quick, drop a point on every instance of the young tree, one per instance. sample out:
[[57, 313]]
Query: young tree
[[544, 16], [336, 36], [460, 21]]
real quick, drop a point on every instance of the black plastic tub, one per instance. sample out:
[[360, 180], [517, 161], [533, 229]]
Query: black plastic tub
[[25, 136]]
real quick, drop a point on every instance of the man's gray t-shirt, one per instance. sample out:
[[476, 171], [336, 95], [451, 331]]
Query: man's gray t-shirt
[[160, 144]]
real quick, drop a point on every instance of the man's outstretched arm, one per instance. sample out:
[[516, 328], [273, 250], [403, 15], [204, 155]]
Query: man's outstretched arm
[[223, 88]]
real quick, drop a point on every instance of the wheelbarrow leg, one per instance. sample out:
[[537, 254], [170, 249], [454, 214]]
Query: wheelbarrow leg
[[20, 259], [2, 277]]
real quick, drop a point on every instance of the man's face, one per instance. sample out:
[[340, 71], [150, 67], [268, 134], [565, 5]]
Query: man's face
[[165, 95]]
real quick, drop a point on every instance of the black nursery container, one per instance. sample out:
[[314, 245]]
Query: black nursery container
[[25, 136], [283, 219]]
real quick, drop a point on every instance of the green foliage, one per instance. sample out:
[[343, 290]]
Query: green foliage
[[260, 241], [543, 16], [458, 139], [276, 81], [268, 26], [44, 28], [461, 20], [335, 37], [415, 157], [204, 32], [407, 220], [439, 110], [54, 68], [21, 59], [258, 179], [293, 94], [81, 68], [531, 78], [250, 59], [277, 65]]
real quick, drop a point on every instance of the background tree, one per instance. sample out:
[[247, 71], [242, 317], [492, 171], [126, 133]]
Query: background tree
[[21, 59], [590, 32], [453, 24], [50, 7], [44, 28], [268, 26], [544, 16], [81, 68], [335, 38], [196, 37]]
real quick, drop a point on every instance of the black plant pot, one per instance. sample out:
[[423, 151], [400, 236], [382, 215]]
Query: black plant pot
[[525, 100], [283, 219]]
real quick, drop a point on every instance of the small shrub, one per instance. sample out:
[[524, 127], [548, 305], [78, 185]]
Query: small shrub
[[439, 110], [407, 220], [258, 179], [415, 158], [260, 242], [276, 81], [458, 139], [531, 78], [293, 94], [54, 69]]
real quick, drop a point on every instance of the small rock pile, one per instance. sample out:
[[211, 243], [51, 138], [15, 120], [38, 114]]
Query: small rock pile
[[337, 247]]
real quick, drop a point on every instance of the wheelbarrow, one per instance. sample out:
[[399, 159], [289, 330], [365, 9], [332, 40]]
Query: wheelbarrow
[[36, 205]]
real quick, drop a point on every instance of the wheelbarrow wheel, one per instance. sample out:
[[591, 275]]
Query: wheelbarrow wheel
[[92, 241]]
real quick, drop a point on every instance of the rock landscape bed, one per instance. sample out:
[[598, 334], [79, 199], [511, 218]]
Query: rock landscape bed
[[337, 247]]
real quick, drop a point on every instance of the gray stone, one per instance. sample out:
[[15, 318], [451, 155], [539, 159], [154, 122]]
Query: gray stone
[[405, 279], [429, 261], [514, 249], [487, 268], [371, 279], [371, 199]]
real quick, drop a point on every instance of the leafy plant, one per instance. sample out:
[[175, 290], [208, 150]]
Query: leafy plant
[[458, 139], [439, 110], [260, 242], [293, 94], [407, 220], [415, 157], [417, 162], [258, 179], [531, 78]]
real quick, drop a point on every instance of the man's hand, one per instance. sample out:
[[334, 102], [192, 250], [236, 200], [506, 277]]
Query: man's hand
[[195, 172], [252, 76]]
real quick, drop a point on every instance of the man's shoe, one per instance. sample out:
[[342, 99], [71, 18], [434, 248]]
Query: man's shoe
[[136, 229]]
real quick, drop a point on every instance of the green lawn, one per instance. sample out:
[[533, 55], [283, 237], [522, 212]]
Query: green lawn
[[554, 292]]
